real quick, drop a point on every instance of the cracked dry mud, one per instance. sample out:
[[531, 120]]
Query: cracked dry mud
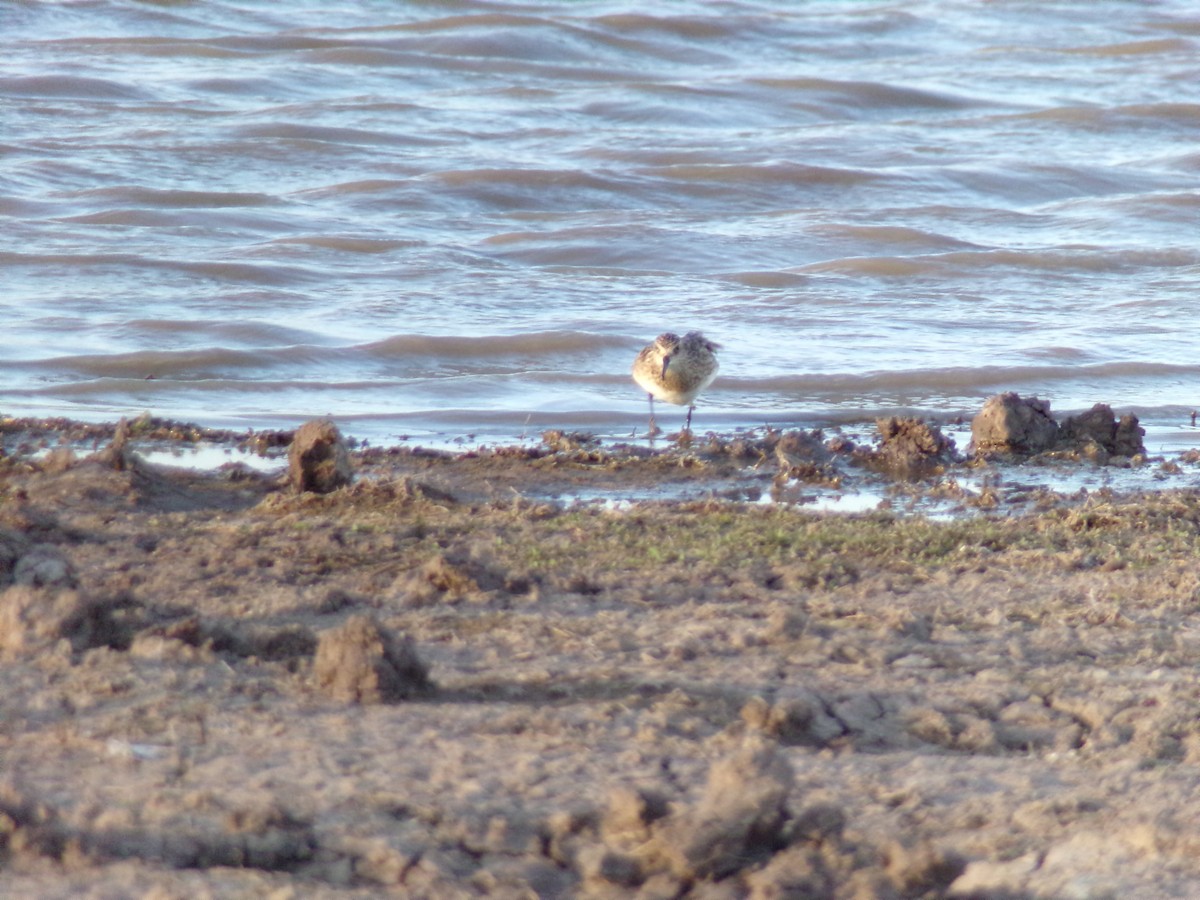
[[424, 685]]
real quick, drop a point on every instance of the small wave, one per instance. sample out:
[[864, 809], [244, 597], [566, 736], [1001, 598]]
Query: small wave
[[274, 42], [898, 235], [593, 248], [1151, 47], [68, 87], [366, 186], [301, 361], [766, 173], [141, 45], [1040, 184], [1061, 261], [955, 380], [347, 244], [527, 188], [497, 37], [399, 356], [766, 279], [176, 199], [249, 334], [688, 27], [1176, 208], [1079, 259], [245, 273], [142, 218], [545, 343], [695, 111], [868, 95], [202, 364], [876, 267], [357, 55], [524, 178], [15, 206], [217, 270], [1176, 114], [235, 87], [292, 131]]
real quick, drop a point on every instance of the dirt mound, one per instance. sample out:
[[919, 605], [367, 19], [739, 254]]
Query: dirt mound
[[34, 619], [803, 456], [318, 460], [910, 447], [1098, 434], [741, 837], [362, 662], [1010, 424]]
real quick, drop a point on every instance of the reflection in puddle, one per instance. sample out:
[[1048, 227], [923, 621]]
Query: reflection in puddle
[[208, 457], [845, 503]]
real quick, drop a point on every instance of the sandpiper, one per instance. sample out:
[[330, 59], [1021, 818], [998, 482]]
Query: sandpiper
[[676, 370]]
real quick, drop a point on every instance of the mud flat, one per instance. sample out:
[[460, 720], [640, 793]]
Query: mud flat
[[448, 679]]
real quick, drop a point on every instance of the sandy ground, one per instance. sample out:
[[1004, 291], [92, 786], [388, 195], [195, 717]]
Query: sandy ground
[[440, 682]]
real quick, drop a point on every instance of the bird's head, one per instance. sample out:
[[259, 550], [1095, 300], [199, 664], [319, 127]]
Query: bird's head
[[668, 346]]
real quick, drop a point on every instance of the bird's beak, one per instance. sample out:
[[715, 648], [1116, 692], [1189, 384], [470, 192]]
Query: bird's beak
[[666, 362]]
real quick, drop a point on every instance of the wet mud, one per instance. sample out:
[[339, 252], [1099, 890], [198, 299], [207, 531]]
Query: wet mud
[[464, 675]]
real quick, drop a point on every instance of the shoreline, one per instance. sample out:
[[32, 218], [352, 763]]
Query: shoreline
[[439, 681], [919, 469]]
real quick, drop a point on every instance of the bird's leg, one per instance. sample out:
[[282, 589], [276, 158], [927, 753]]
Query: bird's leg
[[653, 427], [688, 427]]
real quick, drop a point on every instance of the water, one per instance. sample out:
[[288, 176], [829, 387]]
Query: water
[[447, 218]]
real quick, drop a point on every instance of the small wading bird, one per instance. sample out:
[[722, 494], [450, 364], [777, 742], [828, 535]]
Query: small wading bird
[[676, 370]]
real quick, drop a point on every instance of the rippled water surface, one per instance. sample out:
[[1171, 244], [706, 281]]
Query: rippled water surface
[[462, 217]]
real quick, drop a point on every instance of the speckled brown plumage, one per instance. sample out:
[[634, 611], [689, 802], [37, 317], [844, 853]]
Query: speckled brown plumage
[[676, 370]]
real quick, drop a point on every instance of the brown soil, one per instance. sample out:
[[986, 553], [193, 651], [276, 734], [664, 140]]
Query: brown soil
[[438, 682]]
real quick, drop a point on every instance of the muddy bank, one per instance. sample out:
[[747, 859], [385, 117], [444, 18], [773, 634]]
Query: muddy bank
[[439, 682]]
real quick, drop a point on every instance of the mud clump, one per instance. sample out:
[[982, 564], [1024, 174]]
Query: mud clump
[[44, 566], [32, 619], [740, 814], [454, 577], [1009, 423], [318, 460], [269, 839], [569, 441], [116, 454], [361, 662], [803, 458], [910, 447], [1098, 434], [1012, 424], [12, 547], [740, 837]]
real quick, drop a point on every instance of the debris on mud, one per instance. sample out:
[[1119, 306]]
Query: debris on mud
[[804, 457], [569, 441]]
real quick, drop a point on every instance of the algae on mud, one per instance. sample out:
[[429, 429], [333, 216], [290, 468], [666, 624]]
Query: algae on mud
[[702, 698]]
